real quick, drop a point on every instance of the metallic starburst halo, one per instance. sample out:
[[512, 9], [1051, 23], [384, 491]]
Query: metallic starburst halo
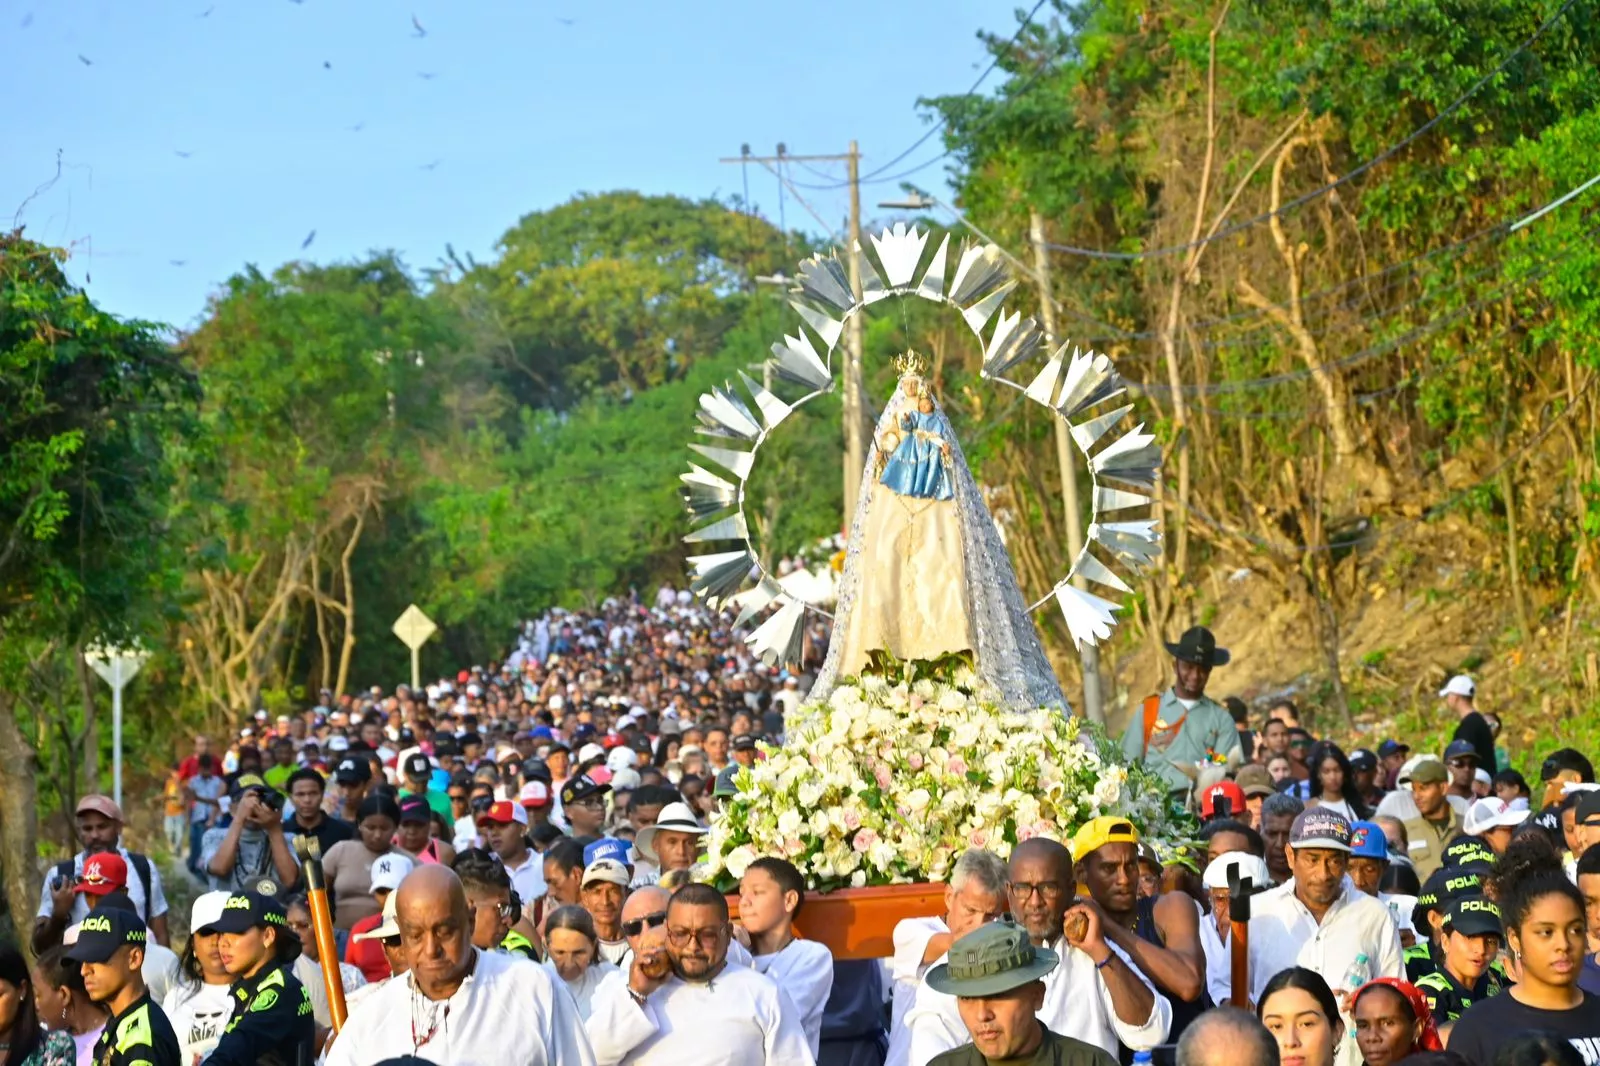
[[1075, 387]]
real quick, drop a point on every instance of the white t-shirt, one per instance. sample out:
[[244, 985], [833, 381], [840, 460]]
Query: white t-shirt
[[505, 1003], [739, 1018], [803, 970], [135, 890], [198, 1015], [906, 968]]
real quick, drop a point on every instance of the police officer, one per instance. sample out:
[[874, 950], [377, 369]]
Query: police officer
[[1444, 888], [110, 948], [272, 1023], [1469, 945]]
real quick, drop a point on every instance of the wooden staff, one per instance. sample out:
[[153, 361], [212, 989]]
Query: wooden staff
[[1239, 890], [310, 853]]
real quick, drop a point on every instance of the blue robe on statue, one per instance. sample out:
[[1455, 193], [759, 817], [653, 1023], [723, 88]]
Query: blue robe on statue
[[917, 467]]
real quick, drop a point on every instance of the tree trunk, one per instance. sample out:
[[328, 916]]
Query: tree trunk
[[91, 724], [19, 820]]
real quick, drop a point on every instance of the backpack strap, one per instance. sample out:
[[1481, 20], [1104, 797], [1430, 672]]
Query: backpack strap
[[141, 866]]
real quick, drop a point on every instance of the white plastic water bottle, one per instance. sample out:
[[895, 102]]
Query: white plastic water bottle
[[1357, 974]]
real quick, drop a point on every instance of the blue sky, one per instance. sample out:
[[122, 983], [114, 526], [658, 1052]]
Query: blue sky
[[521, 111]]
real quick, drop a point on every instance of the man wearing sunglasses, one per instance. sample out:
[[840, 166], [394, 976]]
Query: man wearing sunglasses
[[681, 993], [645, 909]]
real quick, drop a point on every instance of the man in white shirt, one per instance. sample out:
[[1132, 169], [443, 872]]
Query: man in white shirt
[[924, 1022], [98, 821], [1095, 993], [457, 1005], [681, 1002], [1320, 920]]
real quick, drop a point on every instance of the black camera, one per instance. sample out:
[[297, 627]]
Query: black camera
[[269, 797]]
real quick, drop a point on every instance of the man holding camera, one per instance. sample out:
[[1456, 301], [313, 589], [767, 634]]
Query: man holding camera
[[250, 847]]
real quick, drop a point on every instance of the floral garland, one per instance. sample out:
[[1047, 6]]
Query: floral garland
[[890, 780]]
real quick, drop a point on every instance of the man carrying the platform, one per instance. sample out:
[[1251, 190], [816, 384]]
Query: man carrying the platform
[[997, 977], [1182, 734], [1159, 934], [1095, 992]]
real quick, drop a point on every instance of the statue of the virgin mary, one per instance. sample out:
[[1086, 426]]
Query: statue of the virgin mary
[[926, 574]]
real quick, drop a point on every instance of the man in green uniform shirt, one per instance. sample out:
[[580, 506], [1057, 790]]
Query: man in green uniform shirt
[[1182, 734], [997, 977], [110, 948]]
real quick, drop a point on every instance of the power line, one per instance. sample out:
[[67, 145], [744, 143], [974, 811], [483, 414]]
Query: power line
[[1321, 190], [875, 177]]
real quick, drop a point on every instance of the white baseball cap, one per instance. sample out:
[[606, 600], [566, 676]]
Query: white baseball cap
[[591, 751], [206, 910], [1460, 685], [390, 926], [1251, 866], [609, 870], [389, 870], [1491, 813]]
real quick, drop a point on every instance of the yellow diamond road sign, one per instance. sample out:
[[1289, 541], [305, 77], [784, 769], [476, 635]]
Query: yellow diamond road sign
[[414, 628]]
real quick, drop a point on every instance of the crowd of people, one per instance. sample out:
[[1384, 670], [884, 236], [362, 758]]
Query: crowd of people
[[511, 862]]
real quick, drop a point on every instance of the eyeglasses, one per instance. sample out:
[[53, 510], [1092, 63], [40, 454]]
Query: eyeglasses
[[679, 938], [588, 801], [482, 803], [1023, 890], [638, 925]]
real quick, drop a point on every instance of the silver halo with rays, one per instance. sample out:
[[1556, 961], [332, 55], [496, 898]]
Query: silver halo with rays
[[1071, 385]]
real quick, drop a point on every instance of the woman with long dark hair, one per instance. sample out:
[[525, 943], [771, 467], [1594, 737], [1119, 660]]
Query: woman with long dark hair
[[199, 1004], [348, 864], [1299, 1010], [1543, 917], [26, 1042], [1333, 783], [64, 1002]]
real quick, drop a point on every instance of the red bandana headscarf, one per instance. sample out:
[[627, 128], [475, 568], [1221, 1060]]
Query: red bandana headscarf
[[1428, 1039]]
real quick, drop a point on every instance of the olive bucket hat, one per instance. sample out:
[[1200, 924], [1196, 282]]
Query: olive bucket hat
[[991, 960]]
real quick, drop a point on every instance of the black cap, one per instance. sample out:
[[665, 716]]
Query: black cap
[[1362, 759], [744, 742], [1446, 886], [1587, 806], [470, 738], [1198, 646], [1474, 916], [250, 910], [417, 765], [582, 787], [104, 932], [352, 770], [1468, 853], [536, 770], [1461, 749]]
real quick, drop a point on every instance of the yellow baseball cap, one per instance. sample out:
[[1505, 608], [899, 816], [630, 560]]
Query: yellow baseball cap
[[1098, 832]]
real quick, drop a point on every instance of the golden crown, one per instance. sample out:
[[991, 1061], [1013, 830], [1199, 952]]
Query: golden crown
[[910, 364]]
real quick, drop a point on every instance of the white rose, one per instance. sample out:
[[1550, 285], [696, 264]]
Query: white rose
[[916, 800], [739, 860]]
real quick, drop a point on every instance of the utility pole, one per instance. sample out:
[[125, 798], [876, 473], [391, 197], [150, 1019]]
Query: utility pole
[[855, 454], [1093, 698], [855, 428]]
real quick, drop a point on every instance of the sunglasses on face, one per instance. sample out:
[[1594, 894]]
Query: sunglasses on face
[[639, 925], [482, 803]]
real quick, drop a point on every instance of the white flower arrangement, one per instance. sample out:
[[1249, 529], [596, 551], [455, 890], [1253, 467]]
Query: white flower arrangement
[[888, 782]]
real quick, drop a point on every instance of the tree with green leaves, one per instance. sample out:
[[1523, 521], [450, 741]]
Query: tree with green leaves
[[98, 414]]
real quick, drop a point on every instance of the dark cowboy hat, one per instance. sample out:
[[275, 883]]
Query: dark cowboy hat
[[1198, 646]]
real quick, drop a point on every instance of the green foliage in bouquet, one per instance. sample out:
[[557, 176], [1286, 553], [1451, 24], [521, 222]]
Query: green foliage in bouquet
[[892, 777]]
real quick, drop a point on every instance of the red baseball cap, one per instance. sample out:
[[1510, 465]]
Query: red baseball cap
[[534, 794], [1228, 789], [505, 812], [103, 873]]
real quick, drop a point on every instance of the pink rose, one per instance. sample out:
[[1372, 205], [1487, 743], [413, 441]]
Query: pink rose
[[864, 840], [852, 821], [978, 838], [914, 761], [956, 767], [885, 778]]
